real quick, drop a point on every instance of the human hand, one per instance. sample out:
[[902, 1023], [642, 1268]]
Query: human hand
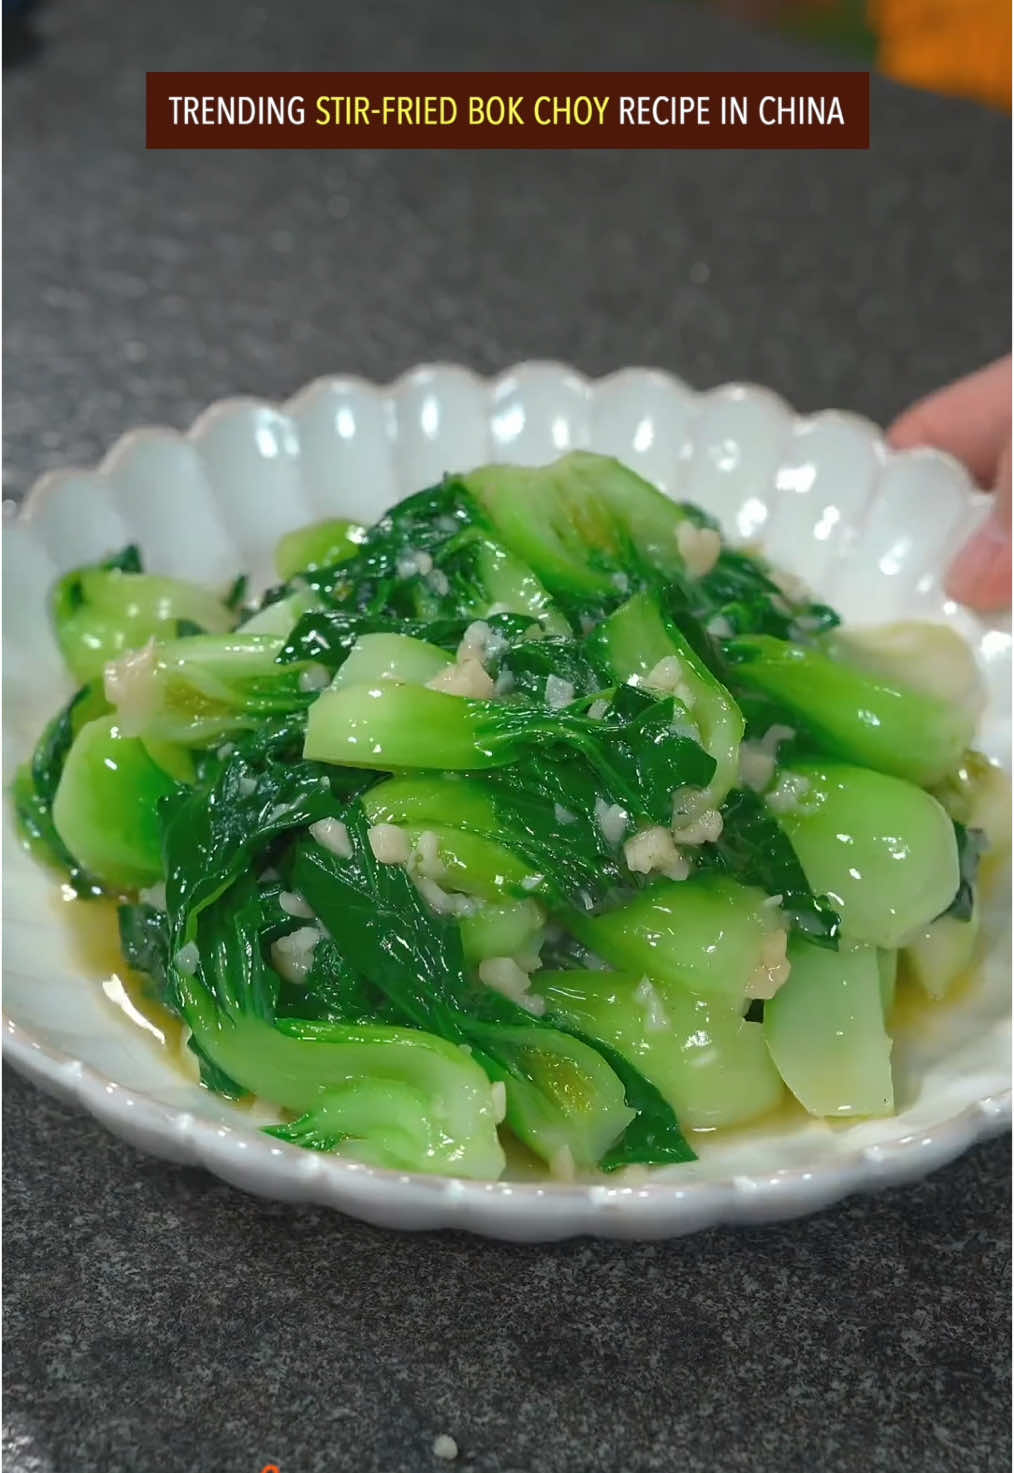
[[971, 419]]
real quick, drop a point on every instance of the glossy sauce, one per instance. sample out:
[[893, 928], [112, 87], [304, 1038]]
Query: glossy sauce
[[95, 945], [786, 1118]]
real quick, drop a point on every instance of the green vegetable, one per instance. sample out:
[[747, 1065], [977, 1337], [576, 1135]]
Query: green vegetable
[[939, 956], [916, 656], [199, 690], [474, 865], [477, 576], [887, 966], [385, 1122], [741, 596], [319, 545], [855, 716], [99, 612], [637, 642], [144, 941], [583, 523], [177, 762], [325, 636], [883, 851], [440, 1116], [754, 850], [977, 794], [212, 835], [387, 572], [560, 1094], [971, 847], [640, 761], [331, 991], [36, 782], [530, 668], [654, 1135], [236, 592], [425, 798], [376, 657], [709, 1063], [710, 935], [281, 617], [105, 809], [513, 929], [402, 727], [547, 822], [825, 1030], [563, 1099], [452, 768], [391, 1096]]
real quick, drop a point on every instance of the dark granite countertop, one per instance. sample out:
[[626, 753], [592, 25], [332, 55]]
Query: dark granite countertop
[[156, 1319]]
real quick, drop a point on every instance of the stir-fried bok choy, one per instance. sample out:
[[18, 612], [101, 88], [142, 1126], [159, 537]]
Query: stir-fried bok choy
[[534, 812]]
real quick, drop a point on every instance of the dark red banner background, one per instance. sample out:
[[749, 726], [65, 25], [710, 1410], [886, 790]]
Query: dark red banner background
[[658, 110]]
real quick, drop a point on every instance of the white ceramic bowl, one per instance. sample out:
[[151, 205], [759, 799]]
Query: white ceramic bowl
[[869, 530]]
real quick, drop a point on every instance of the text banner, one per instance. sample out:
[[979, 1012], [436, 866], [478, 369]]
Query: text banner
[[657, 110]]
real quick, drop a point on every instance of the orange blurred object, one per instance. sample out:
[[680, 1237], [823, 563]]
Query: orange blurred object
[[958, 46]]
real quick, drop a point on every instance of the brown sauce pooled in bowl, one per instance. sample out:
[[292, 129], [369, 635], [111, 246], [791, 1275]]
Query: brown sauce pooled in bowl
[[95, 943]]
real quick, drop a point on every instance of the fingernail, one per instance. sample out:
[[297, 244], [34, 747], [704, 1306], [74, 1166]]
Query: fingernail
[[980, 575]]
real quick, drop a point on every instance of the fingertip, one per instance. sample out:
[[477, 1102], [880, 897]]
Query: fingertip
[[907, 431], [969, 419], [980, 576], [929, 422]]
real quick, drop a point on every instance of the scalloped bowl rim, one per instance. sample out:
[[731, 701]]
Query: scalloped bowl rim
[[24, 511], [562, 1209]]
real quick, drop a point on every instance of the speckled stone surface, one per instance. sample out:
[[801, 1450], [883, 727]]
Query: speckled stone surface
[[156, 1319]]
